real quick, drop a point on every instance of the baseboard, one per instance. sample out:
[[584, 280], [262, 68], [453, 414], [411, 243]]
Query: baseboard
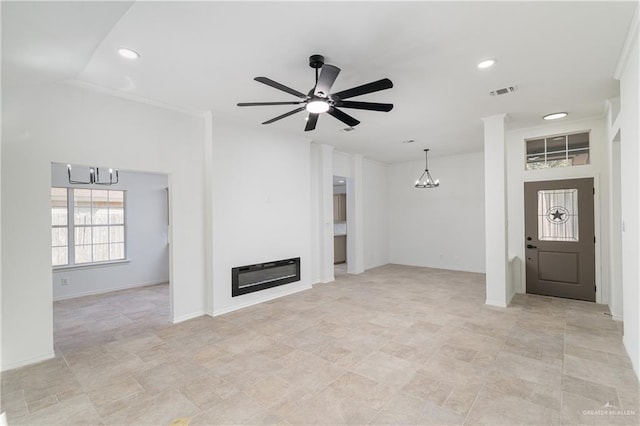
[[29, 361], [223, 311], [187, 317], [496, 303], [94, 292], [617, 317]]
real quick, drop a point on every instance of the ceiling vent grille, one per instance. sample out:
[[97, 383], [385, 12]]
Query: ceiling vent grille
[[503, 91]]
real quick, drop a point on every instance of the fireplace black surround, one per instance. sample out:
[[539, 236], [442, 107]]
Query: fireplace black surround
[[250, 278]]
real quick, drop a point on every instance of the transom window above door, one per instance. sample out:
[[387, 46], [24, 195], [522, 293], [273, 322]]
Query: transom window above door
[[557, 151]]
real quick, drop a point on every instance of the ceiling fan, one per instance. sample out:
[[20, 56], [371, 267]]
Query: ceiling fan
[[320, 100]]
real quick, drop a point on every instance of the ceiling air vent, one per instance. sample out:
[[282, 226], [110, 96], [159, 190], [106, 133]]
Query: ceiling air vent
[[503, 91]]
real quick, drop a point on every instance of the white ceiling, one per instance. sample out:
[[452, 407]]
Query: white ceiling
[[204, 56]]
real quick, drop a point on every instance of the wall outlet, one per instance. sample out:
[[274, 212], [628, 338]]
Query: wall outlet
[[64, 281]]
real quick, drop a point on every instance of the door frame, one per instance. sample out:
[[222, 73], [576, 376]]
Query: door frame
[[597, 229]]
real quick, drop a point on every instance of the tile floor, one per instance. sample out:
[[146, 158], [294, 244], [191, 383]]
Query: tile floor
[[395, 345]]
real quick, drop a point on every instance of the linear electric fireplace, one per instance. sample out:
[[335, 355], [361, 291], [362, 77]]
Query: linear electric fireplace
[[250, 278]]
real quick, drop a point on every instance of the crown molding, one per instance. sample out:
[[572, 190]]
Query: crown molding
[[632, 36], [131, 97]]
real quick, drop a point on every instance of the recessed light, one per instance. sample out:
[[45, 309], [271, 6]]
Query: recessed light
[[128, 53], [486, 63], [340, 181], [555, 116]]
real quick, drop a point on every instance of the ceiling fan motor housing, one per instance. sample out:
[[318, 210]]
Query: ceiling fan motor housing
[[316, 61]]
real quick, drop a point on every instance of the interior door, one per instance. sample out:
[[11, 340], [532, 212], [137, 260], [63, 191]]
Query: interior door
[[560, 239]]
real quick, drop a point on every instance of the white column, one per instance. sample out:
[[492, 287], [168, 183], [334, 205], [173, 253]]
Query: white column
[[208, 213], [326, 213], [495, 193], [314, 229], [355, 233]]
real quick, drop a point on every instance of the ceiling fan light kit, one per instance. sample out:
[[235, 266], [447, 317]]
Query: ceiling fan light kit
[[320, 99], [317, 107]]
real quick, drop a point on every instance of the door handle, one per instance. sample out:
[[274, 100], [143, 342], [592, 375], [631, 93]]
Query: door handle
[[529, 246]]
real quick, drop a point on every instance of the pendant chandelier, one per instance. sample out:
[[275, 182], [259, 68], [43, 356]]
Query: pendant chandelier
[[94, 177], [425, 180]]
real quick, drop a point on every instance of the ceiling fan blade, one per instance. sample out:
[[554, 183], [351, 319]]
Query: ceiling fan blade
[[371, 106], [328, 75], [344, 117], [311, 122], [275, 84], [268, 103], [286, 114], [374, 86]]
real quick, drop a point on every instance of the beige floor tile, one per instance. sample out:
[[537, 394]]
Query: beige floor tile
[[600, 372], [434, 414], [311, 373], [630, 399], [355, 387], [237, 409], [586, 353], [39, 404], [461, 398], [395, 345], [547, 372], [493, 407], [208, 391], [270, 390], [325, 407], [453, 371], [13, 402], [386, 369], [400, 410], [154, 409], [74, 411], [544, 395], [595, 391], [580, 410]]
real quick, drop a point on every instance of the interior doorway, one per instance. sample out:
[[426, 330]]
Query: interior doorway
[[560, 238], [340, 225], [110, 252]]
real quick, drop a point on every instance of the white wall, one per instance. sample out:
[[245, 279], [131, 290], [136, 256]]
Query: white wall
[[60, 123], [440, 227], [598, 169], [375, 214], [342, 164], [629, 75], [498, 268], [146, 238], [261, 208], [321, 226], [615, 250], [367, 210]]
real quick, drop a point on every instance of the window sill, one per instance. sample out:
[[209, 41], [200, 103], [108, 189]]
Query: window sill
[[90, 265]]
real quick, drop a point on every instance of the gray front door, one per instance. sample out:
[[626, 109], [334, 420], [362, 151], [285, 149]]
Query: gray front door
[[560, 239]]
